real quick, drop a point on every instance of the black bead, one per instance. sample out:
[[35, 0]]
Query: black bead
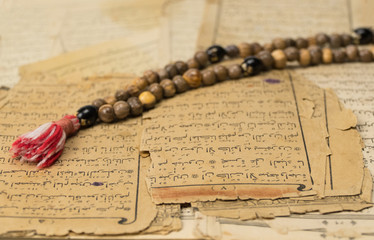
[[365, 35], [87, 115], [252, 65], [215, 53]]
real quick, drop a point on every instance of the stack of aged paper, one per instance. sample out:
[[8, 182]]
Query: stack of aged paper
[[276, 145]]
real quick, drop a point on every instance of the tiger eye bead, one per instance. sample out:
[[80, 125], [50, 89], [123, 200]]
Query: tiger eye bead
[[181, 66], [235, 71], [171, 69], [321, 39], [266, 58], [169, 87], [192, 63], [193, 78], [232, 51], [156, 90], [110, 100], [121, 109], [136, 106], [352, 52], [292, 53], [208, 77], [106, 113], [280, 59], [304, 58], [215, 53], [133, 90], [251, 65], [365, 55], [162, 73], [245, 49], [256, 48], [335, 40], [180, 84], [315, 55], [301, 43], [151, 76], [202, 58], [141, 83], [365, 35], [339, 55], [327, 55], [148, 99], [122, 95], [87, 115], [279, 43], [98, 102], [220, 72]]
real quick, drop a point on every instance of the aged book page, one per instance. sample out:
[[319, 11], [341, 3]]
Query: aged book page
[[97, 186], [41, 29], [256, 139]]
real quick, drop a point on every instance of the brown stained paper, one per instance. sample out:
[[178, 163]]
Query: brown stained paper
[[252, 138], [97, 186]]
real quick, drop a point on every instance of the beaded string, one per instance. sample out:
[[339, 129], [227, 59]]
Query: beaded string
[[45, 144]]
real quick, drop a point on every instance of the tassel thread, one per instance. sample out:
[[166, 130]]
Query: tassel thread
[[45, 144]]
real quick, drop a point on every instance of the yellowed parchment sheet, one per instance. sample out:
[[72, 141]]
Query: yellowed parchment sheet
[[97, 186]]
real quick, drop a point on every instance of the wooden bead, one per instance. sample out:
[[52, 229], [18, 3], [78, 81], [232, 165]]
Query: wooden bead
[[256, 48], [202, 58], [98, 102], [192, 63], [181, 66], [245, 49], [156, 90], [141, 83], [133, 90], [372, 50], [106, 113], [121, 109], [315, 55], [193, 78], [208, 77], [327, 55], [365, 55], [279, 43], [136, 106], [290, 42], [352, 53], [171, 69], [180, 84], [269, 47], [232, 51], [346, 39], [304, 58], [151, 76], [169, 87], [321, 39], [280, 59], [335, 40], [122, 95], [148, 99], [339, 55], [266, 58], [292, 53], [312, 41], [162, 73], [220, 72], [301, 43], [110, 100], [235, 71]]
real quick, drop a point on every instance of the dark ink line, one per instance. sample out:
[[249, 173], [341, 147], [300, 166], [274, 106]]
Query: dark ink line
[[219, 184], [328, 139], [301, 127]]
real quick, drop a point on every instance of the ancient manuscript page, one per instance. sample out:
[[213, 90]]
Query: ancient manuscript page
[[97, 186]]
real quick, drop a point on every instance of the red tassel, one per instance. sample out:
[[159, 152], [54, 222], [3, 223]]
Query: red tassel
[[45, 144]]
